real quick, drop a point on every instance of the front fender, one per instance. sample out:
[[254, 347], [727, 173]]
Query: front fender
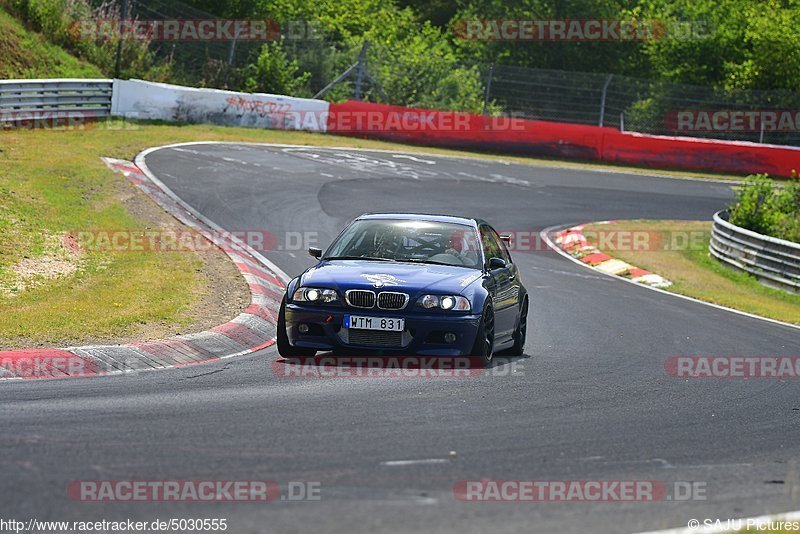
[[292, 286], [478, 296]]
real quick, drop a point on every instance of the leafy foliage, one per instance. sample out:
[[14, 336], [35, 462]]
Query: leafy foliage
[[59, 21], [761, 207], [273, 72]]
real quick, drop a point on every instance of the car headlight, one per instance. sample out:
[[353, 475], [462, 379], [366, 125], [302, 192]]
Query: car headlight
[[313, 294], [445, 302]]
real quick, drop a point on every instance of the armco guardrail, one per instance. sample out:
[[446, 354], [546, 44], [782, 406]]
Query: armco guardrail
[[775, 262], [34, 99]]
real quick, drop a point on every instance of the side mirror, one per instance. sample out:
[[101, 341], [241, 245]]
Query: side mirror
[[506, 238], [315, 252], [496, 263]]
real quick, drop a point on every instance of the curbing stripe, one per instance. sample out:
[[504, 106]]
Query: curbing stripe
[[27, 363], [239, 333], [257, 324], [215, 343], [164, 352], [248, 270], [576, 245], [265, 313], [265, 291], [265, 301], [184, 349], [614, 266], [103, 362]]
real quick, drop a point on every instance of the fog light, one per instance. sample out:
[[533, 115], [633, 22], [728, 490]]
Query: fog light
[[449, 337], [303, 328]]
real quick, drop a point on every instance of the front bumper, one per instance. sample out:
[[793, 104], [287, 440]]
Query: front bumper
[[423, 332]]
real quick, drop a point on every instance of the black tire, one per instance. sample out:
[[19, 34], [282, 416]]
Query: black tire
[[484, 340], [521, 333], [284, 348]]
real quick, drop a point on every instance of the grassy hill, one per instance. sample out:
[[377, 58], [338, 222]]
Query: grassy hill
[[26, 54]]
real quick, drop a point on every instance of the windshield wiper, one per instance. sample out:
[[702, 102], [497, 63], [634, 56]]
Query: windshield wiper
[[421, 260], [371, 258]]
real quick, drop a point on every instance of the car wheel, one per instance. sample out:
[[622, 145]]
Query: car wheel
[[484, 340], [521, 332], [284, 348]]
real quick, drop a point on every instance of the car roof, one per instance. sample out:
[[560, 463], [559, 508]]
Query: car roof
[[423, 217]]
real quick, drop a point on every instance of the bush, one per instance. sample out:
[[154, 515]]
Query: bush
[[273, 72], [762, 207]]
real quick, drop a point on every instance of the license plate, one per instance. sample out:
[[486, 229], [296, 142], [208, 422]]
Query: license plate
[[387, 324]]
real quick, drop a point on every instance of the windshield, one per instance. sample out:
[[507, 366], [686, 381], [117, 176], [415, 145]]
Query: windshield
[[404, 240]]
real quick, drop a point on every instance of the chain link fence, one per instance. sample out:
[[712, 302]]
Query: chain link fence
[[381, 74], [226, 64], [646, 106]]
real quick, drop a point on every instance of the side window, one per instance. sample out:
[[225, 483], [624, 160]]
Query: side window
[[491, 245], [503, 248]]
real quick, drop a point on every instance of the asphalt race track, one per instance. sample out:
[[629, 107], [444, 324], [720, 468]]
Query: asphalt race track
[[590, 400]]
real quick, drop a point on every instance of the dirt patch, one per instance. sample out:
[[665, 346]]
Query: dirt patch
[[61, 258]]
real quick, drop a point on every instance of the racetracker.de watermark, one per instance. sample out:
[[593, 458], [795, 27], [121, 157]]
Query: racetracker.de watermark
[[416, 121], [62, 121], [32, 366], [193, 30], [191, 491], [614, 30], [169, 240], [736, 367], [612, 240], [727, 120], [578, 490], [411, 366]]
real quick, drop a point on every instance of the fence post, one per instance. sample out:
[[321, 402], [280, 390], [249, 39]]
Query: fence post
[[487, 89], [360, 71], [360, 68], [232, 48], [622, 121], [123, 15], [603, 99]]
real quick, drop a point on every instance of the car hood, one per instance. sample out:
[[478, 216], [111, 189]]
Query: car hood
[[378, 275]]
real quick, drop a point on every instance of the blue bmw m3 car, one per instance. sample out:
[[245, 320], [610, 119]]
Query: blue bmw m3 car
[[403, 283]]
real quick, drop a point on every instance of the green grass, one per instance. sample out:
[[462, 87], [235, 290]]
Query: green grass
[[26, 54], [696, 274]]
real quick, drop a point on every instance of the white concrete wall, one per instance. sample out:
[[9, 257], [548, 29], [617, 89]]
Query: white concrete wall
[[148, 100]]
